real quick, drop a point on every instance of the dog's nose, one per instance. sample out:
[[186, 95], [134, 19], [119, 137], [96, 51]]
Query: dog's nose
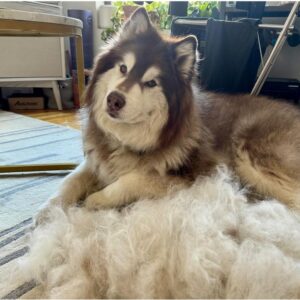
[[115, 101]]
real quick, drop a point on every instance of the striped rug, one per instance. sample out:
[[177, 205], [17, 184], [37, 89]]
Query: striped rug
[[25, 140]]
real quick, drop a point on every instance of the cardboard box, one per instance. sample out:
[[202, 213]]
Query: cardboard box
[[16, 103]]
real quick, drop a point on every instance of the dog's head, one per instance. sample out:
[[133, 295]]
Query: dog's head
[[140, 84]]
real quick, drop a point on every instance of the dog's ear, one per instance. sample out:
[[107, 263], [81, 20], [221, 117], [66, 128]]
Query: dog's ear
[[139, 22], [185, 52]]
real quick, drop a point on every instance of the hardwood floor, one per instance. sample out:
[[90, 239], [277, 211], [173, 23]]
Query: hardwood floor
[[68, 118]]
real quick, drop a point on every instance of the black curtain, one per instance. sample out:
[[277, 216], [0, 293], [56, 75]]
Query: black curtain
[[231, 57]]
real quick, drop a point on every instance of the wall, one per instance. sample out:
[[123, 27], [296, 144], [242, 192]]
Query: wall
[[287, 64], [87, 5]]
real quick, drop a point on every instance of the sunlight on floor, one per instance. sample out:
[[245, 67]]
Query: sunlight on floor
[[68, 118]]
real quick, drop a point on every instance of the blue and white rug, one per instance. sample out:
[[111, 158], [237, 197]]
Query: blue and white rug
[[24, 140]]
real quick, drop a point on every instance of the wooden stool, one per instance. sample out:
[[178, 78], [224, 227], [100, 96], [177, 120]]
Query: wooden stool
[[23, 23]]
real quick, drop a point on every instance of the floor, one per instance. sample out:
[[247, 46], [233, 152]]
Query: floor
[[68, 118]]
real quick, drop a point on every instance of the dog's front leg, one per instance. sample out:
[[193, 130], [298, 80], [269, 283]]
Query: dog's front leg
[[75, 186], [130, 187]]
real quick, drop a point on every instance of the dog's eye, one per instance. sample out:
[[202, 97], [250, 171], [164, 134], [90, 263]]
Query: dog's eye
[[150, 84], [123, 69]]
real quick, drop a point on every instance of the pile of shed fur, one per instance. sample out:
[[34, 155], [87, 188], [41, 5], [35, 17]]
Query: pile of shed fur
[[204, 242]]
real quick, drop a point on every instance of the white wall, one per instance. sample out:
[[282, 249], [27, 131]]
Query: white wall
[[287, 64], [87, 5]]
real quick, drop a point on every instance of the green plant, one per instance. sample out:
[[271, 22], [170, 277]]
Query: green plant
[[108, 33], [202, 8], [162, 11], [116, 20], [158, 12]]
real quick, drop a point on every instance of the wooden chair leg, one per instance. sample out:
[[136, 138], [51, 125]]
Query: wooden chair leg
[[80, 67]]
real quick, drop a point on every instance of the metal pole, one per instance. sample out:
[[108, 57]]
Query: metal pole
[[276, 49]]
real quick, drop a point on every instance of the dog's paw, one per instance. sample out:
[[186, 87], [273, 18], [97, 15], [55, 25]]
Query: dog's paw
[[96, 201]]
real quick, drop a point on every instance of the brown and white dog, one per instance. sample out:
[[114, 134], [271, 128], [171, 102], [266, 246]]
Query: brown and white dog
[[149, 129]]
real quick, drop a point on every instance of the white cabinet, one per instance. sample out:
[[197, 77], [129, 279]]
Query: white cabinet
[[31, 57], [32, 61]]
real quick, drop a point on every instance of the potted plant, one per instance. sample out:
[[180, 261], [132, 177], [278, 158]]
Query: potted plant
[[158, 13]]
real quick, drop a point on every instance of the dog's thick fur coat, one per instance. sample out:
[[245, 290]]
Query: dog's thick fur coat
[[149, 130], [204, 242]]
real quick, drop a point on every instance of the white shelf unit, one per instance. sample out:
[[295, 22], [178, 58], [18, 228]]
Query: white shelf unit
[[33, 61]]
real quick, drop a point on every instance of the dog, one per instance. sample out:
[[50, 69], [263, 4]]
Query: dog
[[150, 131]]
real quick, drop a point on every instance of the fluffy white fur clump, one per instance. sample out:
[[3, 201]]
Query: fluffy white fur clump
[[204, 242]]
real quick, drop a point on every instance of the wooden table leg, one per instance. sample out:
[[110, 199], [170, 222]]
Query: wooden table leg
[[80, 67]]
